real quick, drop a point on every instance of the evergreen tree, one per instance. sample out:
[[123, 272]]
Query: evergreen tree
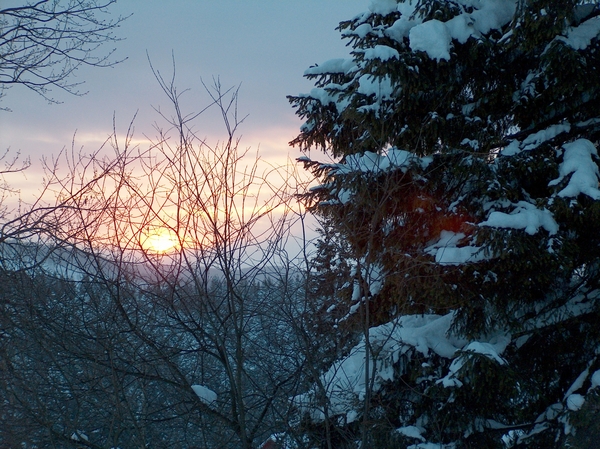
[[466, 187]]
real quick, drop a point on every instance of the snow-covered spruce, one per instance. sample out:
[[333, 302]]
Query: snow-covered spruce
[[465, 137]]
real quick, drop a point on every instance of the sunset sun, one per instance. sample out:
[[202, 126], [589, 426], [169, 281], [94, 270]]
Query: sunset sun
[[160, 241]]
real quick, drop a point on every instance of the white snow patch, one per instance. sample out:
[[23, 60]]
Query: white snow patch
[[550, 413], [590, 122], [491, 350], [535, 140], [205, 394], [575, 402], [330, 94], [345, 384], [345, 379], [446, 251], [381, 52], [432, 446], [375, 278], [351, 416], [357, 291], [511, 149], [579, 304], [432, 37], [525, 216], [578, 162], [450, 380], [461, 27], [493, 14], [579, 381], [369, 162], [595, 379], [345, 196], [400, 29], [399, 158], [474, 144], [528, 87], [407, 7], [353, 309], [411, 432], [381, 87], [78, 435], [581, 36], [435, 37], [383, 7], [361, 31]]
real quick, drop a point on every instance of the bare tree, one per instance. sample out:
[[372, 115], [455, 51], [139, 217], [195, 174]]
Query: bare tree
[[176, 331], [9, 164], [43, 42]]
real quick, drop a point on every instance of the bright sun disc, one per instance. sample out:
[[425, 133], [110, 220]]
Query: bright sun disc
[[160, 241]]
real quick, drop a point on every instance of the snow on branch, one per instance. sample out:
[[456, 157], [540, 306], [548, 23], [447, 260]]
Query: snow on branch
[[578, 162], [205, 394], [580, 37], [425, 334], [524, 216]]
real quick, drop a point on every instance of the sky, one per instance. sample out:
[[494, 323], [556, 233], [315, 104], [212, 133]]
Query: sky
[[263, 45]]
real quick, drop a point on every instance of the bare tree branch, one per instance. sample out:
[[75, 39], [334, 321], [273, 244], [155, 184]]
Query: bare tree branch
[[43, 43]]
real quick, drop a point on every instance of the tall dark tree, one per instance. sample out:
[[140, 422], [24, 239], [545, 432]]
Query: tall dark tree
[[466, 185]]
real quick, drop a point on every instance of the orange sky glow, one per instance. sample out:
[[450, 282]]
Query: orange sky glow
[[263, 48]]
